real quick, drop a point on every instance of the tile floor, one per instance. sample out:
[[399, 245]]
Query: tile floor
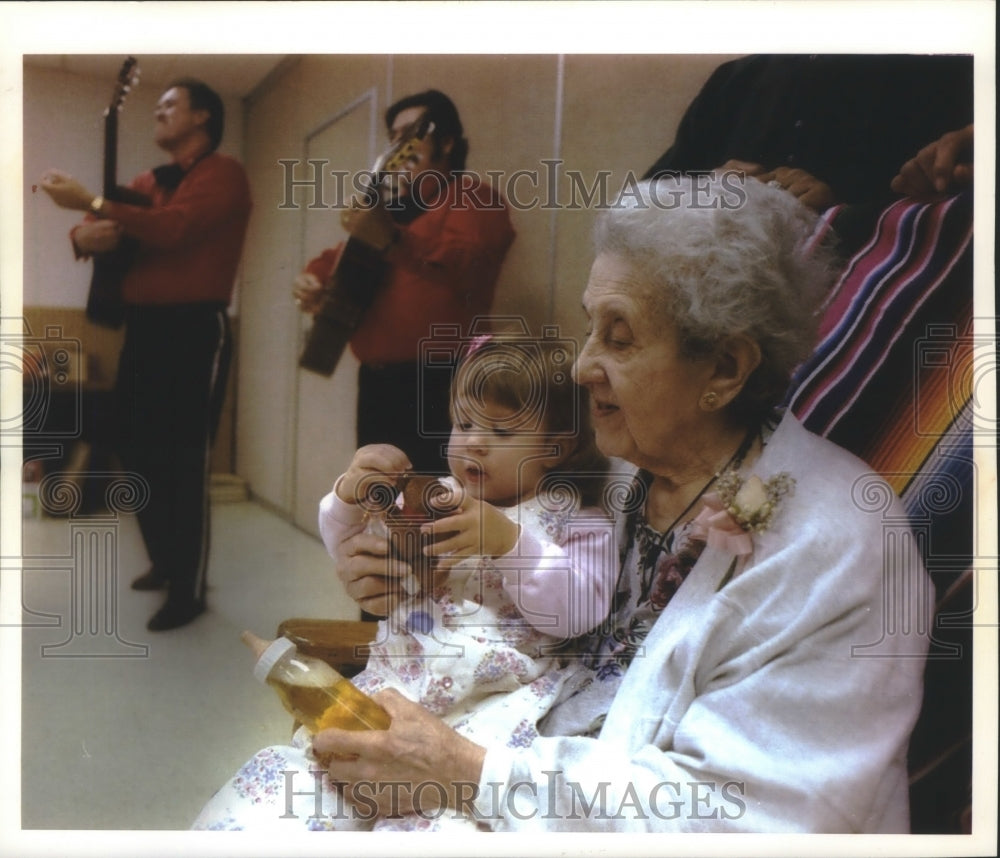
[[131, 730]]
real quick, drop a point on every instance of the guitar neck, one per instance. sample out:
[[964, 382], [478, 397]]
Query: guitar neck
[[112, 190], [110, 153]]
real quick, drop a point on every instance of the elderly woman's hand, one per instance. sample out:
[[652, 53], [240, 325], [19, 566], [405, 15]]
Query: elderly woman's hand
[[370, 574], [418, 764]]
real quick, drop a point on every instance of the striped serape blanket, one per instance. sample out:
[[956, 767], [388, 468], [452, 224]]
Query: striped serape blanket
[[892, 381]]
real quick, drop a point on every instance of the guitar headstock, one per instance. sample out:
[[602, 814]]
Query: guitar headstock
[[128, 78], [402, 149], [408, 140], [396, 155]]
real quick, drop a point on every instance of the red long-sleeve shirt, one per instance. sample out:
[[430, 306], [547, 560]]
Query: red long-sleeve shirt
[[190, 238], [443, 270]]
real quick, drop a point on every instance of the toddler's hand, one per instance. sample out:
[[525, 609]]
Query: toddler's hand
[[374, 465], [475, 527]]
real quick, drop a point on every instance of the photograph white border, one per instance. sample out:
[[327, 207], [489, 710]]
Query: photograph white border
[[965, 26]]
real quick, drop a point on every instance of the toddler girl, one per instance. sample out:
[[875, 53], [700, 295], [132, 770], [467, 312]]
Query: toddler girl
[[523, 560]]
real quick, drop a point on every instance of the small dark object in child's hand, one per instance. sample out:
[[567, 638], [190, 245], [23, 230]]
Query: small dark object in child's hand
[[425, 499]]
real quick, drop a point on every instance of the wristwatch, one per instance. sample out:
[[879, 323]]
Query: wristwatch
[[96, 203]]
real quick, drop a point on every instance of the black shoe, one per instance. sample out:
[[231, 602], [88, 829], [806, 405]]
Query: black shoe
[[173, 615], [150, 581]]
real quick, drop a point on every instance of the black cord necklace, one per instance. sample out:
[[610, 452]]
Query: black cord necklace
[[643, 481]]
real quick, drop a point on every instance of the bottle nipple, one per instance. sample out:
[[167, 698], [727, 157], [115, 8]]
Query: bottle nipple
[[268, 653], [257, 645]]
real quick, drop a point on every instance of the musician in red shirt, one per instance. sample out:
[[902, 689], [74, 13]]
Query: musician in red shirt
[[175, 359], [444, 236]]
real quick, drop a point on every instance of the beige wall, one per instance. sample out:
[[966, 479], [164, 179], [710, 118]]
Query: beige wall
[[294, 430]]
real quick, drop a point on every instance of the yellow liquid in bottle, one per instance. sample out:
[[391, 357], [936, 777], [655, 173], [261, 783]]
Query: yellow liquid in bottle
[[339, 705]]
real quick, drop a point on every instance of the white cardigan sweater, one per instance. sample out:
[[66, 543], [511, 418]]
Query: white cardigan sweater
[[782, 702]]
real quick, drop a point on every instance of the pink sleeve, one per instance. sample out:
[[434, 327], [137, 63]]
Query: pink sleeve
[[338, 521], [564, 590]]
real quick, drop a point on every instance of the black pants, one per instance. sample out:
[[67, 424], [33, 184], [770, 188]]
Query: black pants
[[407, 406], [171, 383]]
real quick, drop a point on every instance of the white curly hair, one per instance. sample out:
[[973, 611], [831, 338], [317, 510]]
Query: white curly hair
[[720, 255]]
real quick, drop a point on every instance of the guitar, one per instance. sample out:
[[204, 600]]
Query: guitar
[[104, 301], [360, 270]]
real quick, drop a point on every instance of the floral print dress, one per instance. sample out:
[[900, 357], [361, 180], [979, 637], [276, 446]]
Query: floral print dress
[[654, 564], [464, 651]]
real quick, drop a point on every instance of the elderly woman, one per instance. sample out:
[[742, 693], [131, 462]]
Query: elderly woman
[[761, 667]]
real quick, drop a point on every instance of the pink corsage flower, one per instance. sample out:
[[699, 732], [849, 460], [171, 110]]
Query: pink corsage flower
[[718, 529], [737, 509]]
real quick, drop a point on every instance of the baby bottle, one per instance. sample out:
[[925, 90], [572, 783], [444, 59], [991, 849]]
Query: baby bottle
[[311, 690]]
